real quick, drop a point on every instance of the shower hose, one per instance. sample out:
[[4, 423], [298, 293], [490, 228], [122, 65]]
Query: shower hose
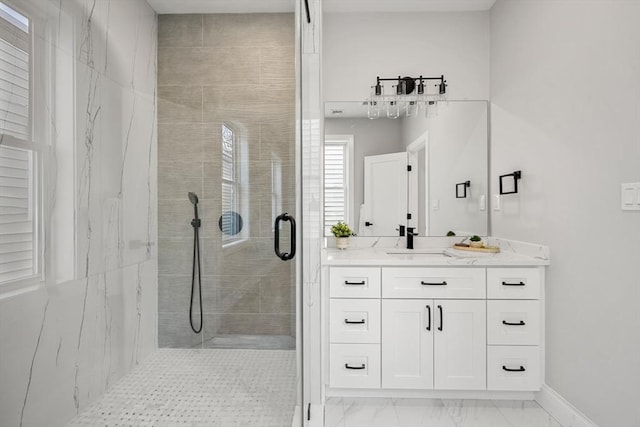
[[195, 223]]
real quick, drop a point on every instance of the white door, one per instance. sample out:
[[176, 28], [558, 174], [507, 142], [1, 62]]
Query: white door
[[385, 194], [460, 339], [407, 344]]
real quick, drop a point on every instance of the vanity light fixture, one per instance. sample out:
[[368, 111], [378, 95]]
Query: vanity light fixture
[[461, 189], [504, 181], [409, 95]]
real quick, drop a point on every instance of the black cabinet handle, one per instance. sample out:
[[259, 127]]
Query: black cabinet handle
[[368, 224], [346, 282], [443, 283], [440, 309], [346, 365], [512, 284], [520, 323], [354, 322], [276, 244], [429, 317], [520, 369]]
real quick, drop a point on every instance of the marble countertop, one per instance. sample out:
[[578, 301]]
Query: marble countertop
[[434, 256]]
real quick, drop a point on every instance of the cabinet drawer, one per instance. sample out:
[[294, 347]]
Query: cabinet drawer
[[354, 320], [513, 322], [419, 282], [513, 283], [513, 368], [354, 365], [354, 282]]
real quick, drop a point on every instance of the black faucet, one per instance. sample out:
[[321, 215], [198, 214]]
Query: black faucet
[[410, 234]]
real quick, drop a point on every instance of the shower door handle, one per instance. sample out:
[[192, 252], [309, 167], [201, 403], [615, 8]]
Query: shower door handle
[[276, 243]]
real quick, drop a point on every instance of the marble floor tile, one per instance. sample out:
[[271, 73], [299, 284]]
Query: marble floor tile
[[475, 413], [525, 413], [334, 412], [422, 412]]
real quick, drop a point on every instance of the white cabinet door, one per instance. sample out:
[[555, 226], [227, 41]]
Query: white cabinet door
[[407, 349], [460, 343]]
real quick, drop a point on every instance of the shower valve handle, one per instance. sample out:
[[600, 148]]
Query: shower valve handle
[[195, 223]]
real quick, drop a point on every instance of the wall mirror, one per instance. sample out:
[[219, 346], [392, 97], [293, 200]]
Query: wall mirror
[[430, 173]]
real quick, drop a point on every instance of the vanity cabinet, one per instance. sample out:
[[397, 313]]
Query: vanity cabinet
[[434, 344], [435, 328]]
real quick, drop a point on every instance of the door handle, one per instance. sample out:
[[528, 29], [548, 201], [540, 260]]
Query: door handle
[[428, 318], [368, 224], [276, 243], [440, 309]]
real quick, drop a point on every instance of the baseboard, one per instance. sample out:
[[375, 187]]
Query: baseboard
[[560, 409]]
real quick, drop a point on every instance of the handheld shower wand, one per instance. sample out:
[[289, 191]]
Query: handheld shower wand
[[195, 223]]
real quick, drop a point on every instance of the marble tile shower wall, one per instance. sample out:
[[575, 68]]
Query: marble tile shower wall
[[94, 318], [236, 69]]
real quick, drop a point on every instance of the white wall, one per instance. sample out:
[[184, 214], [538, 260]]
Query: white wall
[[94, 318], [358, 47], [565, 110]]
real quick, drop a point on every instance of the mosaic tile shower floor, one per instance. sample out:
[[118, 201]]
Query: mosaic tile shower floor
[[193, 387]]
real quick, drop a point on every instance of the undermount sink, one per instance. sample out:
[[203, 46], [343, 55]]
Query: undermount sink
[[432, 252]]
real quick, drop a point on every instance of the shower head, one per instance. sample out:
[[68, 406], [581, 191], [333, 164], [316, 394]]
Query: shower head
[[193, 198]]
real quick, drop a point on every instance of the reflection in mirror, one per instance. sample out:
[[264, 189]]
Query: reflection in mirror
[[368, 183]]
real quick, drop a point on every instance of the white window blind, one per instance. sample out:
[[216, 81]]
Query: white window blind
[[17, 222], [15, 51], [18, 215], [230, 185], [335, 184]]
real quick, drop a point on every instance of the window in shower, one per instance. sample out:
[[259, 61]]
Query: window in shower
[[19, 153], [232, 221]]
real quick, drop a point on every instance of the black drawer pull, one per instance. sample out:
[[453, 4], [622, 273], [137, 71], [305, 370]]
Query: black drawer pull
[[354, 322], [520, 369], [520, 323], [346, 282], [443, 283], [512, 284], [346, 365]]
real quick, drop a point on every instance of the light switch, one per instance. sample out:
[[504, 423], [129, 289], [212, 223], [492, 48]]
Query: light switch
[[630, 196], [483, 202], [435, 204], [497, 202]]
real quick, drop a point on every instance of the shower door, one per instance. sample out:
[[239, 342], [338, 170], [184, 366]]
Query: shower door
[[226, 123], [255, 302]]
